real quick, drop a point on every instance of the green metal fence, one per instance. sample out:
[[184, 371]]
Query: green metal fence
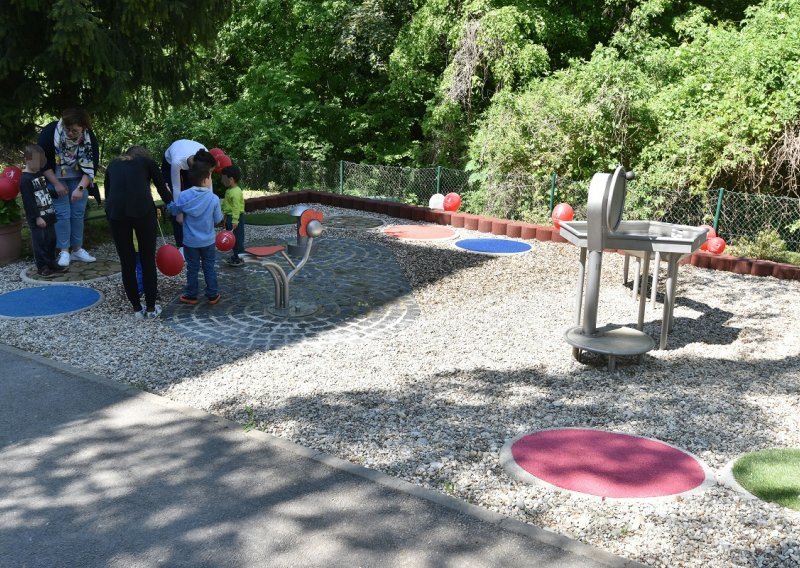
[[531, 198]]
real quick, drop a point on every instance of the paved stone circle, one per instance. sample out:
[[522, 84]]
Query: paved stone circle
[[77, 272], [360, 289], [351, 222]]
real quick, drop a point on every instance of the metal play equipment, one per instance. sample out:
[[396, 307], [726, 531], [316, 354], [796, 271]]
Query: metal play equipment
[[605, 229], [309, 228], [299, 247]]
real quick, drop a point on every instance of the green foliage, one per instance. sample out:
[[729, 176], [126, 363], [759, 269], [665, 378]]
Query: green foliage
[[366, 80], [767, 245], [686, 99], [10, 211], [107, 56]]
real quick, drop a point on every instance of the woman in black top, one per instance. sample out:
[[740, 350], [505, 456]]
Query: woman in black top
[[130, 209]]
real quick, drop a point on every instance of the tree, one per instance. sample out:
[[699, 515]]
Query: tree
[[104, 55]]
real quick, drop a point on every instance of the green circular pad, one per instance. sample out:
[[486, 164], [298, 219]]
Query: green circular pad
[[269, 219]]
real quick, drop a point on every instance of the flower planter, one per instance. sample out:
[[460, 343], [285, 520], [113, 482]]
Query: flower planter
[[10, 242]]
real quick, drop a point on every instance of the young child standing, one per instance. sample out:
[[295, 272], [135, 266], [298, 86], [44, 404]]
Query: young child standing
[[201, 212], [233, 209], [39, 211]]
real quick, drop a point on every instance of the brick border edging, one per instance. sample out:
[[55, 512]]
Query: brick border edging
[[504, 227]]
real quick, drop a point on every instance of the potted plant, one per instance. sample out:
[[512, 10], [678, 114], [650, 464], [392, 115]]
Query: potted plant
[[10, 230]]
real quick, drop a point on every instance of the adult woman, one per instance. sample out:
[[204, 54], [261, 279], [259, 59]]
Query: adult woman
[[176, 163], [72, 160], [130, 209]]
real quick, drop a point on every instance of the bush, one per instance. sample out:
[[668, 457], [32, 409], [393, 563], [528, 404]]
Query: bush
[[767, 245]]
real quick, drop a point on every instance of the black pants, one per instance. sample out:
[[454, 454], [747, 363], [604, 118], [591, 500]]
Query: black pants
[[238, 248], [122, 231], [43, 242], [177, 228]]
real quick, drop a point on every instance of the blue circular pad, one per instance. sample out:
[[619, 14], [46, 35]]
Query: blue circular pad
[[493, 246], [47, 301]]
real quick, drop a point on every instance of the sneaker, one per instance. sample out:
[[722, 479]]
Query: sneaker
[[139, 314], [63, 258], [191, 300], [234, 262], [82, 255], [214, 299], [45, 272], [57, 268], [154, 314]]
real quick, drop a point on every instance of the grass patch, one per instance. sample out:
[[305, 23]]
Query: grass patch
[[269, 219], [771, 475]]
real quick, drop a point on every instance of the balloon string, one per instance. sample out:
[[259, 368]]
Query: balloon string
[[158, 222]]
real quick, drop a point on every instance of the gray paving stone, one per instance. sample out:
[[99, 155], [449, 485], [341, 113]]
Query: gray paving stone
[[359, 288]]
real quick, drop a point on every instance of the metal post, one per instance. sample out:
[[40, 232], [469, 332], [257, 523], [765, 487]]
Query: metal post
[[719, 208], [552, 192], [341, 177], [438, 179]]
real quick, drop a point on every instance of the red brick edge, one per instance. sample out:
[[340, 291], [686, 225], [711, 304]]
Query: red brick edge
[[504, 227]]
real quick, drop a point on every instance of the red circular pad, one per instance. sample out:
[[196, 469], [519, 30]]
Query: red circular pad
[[419, 232], [607, 464]]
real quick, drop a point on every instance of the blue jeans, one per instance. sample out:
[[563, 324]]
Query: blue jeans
[[206, 256], [238, 248], [69, 215]]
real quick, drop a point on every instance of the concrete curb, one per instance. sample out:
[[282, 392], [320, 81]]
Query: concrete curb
[[452, 503]]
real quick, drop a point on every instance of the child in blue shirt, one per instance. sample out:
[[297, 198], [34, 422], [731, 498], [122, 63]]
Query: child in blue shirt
[[201, 212]]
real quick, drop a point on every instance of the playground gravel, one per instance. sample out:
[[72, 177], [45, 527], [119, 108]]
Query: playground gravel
[[485, 361]]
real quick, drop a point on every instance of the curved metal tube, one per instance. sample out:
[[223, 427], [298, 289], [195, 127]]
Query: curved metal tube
[[281, 283], [306, 256]]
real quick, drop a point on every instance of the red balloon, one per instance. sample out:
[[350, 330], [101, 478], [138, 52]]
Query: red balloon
[[216, 152], [709, 235], [225, 241], [8, 189], [169, 260], [223, 162], [562, 212], [716, 245], [452, 201], [13, 173]]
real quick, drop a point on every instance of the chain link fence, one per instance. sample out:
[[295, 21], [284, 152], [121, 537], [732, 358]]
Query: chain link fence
[[531, 198]]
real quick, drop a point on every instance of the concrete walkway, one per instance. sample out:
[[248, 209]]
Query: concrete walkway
[[94, 473]]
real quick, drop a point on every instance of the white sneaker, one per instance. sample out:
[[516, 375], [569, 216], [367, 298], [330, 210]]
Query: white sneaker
[[152, 315], [63, 258], [139, 315], [82, 255]]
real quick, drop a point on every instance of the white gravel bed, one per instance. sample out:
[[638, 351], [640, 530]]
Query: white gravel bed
[[486, 361]]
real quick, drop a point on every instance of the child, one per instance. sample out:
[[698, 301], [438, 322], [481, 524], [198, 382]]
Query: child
[[233, 209], [201, 212], [39, 211]]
